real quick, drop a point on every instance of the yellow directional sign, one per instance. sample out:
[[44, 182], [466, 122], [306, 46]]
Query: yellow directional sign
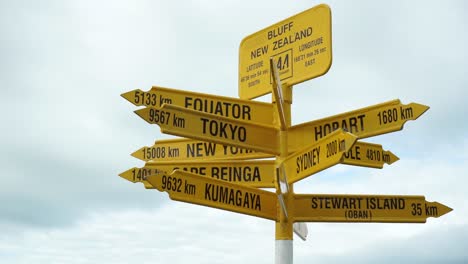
[[184, 122], [253, 173], [191, 188], [300, 45], [188, 149], [365, 122], [318, 156], [368, 155], [139, 175], [219, 105], [365, 208]]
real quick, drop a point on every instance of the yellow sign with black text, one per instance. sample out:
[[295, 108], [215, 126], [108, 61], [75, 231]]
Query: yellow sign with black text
[[368, 155], [365, 208], [191, 188], [235, 108], [189, 149], [140, 174], [318, 156], [179, 121], [301, 46], [365, 122], [253, 173]]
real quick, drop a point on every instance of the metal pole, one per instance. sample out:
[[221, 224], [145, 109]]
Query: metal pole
[[284, 227], [283, 251]]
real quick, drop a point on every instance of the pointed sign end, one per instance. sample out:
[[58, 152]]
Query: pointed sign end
[[350, 139], [152, 180], [147, 185], [442, 209], [130, 96], [436, 209], [419, 109], [128, 175], [143, 113], [138, 154], [392, 158]]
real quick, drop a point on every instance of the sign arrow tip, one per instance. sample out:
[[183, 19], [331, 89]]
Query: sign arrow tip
[[350, 139], [129, 96], [152, 180], [393, 158], [137, 154], [142, 113], [128, 175], [419, 109], [442, 209]]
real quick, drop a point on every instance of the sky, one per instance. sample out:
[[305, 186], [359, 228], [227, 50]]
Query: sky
[[67, 133]]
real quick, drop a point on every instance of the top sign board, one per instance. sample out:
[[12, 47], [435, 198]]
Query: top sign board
[[300, 45]]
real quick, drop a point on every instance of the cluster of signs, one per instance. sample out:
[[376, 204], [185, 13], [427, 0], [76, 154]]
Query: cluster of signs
[[228, 147]]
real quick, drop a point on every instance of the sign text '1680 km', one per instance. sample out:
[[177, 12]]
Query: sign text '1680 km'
[[365, 122]]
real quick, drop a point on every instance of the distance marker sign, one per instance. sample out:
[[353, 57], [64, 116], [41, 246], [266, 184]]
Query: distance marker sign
[[368, 155], [184, 122], [189, 149], [140, 174], [191, 188], [300, 46], [218, 105], [253, 173], [365, 208], [365, 122], [318, 156]]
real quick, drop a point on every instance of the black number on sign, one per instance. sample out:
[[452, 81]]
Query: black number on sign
[[150, 99], [388, 116], [157, 116], [154, 153], [137, 97], [416, 209], [373, 154], [332, 148], [171, 183]]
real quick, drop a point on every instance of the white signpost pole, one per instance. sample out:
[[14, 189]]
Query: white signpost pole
[[282, 97]]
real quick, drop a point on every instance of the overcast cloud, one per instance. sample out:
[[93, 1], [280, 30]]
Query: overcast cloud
[[67, 133]]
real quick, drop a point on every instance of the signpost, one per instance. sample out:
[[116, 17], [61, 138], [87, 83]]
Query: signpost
[[191, 188], [300, 45], [319, 156], [183, 122], [258, 112], [219, 162], [365, 208]]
